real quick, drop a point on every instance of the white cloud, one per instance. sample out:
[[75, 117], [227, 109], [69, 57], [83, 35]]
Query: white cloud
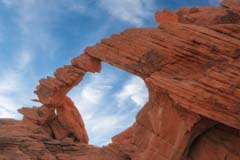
[[134, 90], [90, 95], [131, 11], [11, 77], [33, 19], [103, 128], [90, 98], [34, 27], [36, 19], [8, 107], [79, 6], [108, 123], [9, 81], [12, 86]]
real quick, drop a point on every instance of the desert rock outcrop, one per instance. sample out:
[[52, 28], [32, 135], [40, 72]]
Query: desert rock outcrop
[[191, 66]]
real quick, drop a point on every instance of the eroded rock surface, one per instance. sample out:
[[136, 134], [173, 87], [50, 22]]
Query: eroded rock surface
[[191, 66]]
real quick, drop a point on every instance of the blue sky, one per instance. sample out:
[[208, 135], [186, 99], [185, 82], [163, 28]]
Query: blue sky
[[38, 36]]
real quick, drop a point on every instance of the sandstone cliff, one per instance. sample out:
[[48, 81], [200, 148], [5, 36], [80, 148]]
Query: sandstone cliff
[[191, 66]]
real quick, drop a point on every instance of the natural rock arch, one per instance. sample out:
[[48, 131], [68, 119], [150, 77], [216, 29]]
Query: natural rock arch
[[52, 93], [191, 68]]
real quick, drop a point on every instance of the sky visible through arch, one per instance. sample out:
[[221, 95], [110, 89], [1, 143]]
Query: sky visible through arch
[[38, 36]]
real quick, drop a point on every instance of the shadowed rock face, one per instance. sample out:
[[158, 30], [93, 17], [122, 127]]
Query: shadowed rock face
[[191, 66]]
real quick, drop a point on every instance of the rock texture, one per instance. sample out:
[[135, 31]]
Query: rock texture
[[191, 66], [59, 122]]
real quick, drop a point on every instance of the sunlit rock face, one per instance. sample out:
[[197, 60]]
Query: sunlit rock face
[[191, 66]]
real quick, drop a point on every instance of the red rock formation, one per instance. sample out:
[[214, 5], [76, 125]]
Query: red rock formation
[[166, 17], [191, 66], [71, 120], [203, 16], [60, 122]]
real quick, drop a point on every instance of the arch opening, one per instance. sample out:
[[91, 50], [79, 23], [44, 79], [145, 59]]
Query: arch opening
[[108, 102]]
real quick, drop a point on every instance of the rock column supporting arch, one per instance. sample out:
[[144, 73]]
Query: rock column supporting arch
[[52, 91], [163, 129]]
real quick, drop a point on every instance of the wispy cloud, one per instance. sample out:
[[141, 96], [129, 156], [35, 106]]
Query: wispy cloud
[[134, 90], [134, 12], [12, 85], [91, 93], [10, 77], [9, 81], [105, 127], [91, 99], [8, 107], [34, 21]]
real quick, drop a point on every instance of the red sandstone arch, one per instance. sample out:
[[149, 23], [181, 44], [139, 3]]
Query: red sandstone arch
[[185, 71], [192, 73], [181, 73]]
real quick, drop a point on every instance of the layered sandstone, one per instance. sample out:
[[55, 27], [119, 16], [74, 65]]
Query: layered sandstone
[[191, 66]]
